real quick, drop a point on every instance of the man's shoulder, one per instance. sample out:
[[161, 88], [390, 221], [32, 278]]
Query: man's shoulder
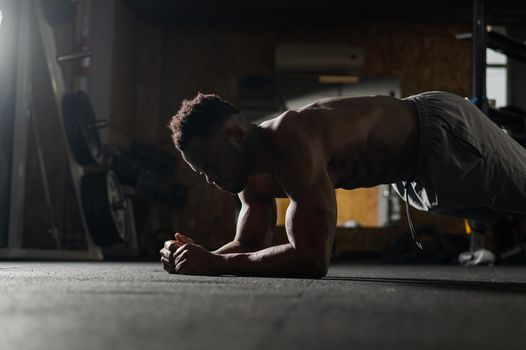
[[287, 130], [298, 150], [285, 122], [261, 187]]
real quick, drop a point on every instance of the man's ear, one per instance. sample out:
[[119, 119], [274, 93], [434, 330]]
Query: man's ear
[[235, 135]]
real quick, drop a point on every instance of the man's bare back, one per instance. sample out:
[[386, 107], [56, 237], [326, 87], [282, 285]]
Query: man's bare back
[[364, 141]]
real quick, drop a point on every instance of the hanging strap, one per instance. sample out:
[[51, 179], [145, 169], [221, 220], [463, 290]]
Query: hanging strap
[[410, 219]]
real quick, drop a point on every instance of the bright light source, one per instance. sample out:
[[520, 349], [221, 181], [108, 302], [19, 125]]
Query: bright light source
[[494, 57], [1, 17], [497, 85]]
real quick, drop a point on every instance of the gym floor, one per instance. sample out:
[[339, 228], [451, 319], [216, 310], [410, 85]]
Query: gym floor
[[58, 305]]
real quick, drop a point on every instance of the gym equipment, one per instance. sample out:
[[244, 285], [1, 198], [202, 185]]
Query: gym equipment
[[148, 170], [511, 120], [323, 58], [477, 258], [74, 56], [510, 238], [105, 208], [80, 245], [58, 11], [502, 43], [437, 247], [82, 128], [479, 56]]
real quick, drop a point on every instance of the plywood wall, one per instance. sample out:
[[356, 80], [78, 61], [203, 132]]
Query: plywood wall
[[159, 65], [359, 205]]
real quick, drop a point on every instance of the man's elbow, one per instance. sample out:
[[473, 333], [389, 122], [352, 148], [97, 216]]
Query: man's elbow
[[321, 268], [316, 267]]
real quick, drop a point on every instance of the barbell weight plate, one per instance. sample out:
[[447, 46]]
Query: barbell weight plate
[[83, 139], [117, 203], [105, 208]]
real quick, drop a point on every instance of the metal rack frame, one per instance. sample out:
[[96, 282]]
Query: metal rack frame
[[14, 247]]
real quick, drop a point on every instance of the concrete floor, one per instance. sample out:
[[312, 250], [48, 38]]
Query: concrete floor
[[359, 306]]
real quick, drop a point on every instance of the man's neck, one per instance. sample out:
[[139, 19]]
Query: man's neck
[[260, 147]]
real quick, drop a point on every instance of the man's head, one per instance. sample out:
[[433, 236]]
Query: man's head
[[212, 138]]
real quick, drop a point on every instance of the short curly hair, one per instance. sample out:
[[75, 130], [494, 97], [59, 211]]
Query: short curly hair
[[199, 117]]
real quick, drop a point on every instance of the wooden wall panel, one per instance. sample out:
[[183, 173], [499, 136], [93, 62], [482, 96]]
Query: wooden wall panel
[[173, 63], [125, 75], [359, 205], [148, 89]]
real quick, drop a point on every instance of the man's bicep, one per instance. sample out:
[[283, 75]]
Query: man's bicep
[[311, 218], [304, 178], [256, 221]]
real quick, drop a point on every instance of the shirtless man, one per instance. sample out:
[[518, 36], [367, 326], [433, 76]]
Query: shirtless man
[[440, 153]]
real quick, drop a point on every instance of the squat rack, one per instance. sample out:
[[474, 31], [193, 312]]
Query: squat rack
[[23, 113], [481, 40]]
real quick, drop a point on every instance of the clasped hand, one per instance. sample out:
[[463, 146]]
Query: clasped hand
[[185, 257]]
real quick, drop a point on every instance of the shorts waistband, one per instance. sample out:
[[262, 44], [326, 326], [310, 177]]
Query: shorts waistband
[[423, 115]]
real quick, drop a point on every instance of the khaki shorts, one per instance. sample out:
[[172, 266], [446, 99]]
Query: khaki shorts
[[467, 166]]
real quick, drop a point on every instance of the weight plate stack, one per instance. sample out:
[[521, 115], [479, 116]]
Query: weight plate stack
[[104, 208], [81, 128]]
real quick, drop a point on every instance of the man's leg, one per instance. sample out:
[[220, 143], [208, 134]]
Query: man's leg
[[470, 167]]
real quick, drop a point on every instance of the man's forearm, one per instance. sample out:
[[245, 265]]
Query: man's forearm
[[280, 261], [234, 247]]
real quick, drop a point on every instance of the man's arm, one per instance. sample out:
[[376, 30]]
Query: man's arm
[[311, 222], [311, 215], [255, 228], [255, 225]]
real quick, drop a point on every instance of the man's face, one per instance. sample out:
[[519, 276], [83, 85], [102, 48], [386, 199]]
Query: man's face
[[222, 163]]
